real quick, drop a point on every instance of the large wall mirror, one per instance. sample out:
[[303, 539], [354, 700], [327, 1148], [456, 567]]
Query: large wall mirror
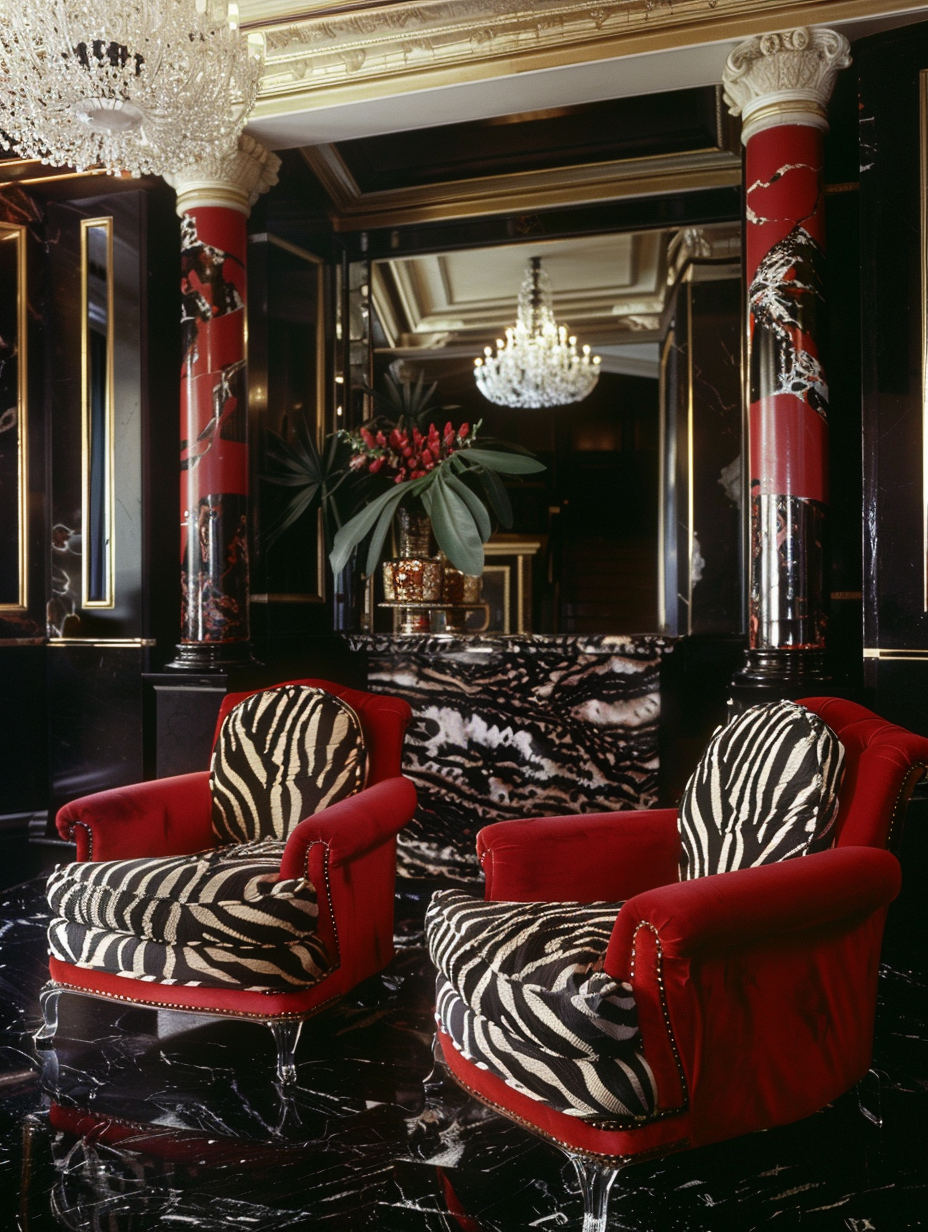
[[635, 525]]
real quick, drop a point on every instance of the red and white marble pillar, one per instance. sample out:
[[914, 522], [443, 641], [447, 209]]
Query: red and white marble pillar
[[214, 203], [780, 84]]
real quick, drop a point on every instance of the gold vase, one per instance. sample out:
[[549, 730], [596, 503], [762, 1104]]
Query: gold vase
[[415, 575]]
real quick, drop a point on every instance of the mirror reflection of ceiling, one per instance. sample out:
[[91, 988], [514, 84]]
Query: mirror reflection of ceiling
[[610, 290]]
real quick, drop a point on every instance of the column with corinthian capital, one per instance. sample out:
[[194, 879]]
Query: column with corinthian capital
[[214, 202], [780, 84]]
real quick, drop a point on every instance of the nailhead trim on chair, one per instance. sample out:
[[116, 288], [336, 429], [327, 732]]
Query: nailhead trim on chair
[[83, 825], [897, 818], [187, 1009], [328, 894], [620, 1160], [666, 1013]]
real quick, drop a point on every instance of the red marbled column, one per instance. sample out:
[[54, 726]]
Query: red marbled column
[[785, 246], [214, 436]]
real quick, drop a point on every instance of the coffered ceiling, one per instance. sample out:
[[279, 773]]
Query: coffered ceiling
[[611, 290]]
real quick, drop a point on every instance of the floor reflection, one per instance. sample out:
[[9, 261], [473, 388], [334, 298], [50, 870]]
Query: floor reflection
[[132, 1123]]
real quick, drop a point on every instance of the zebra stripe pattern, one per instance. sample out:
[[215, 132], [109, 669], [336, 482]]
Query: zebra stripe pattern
[[521, 992], [257, 968], [282, 755], [765, 790], [220, 917]]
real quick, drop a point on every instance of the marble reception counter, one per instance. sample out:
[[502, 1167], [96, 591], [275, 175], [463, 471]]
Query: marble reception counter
[[527, 725]]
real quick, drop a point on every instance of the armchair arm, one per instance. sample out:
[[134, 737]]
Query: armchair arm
[[756, 990], [163, 817], [587, 858], [352, 827], [348, 852]]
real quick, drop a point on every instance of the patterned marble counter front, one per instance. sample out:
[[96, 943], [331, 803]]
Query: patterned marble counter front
[[529, 725]]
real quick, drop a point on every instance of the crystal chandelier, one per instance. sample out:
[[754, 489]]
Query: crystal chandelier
[[144, 86], [538, 364]]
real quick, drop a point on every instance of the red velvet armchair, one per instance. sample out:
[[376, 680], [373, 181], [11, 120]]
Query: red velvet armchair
[[755, 990], [346, 851]]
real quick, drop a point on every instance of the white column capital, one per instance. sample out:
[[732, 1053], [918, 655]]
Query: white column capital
[[784, 78], [235, 180]]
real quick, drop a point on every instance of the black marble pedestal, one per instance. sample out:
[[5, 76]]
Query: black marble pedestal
[[529, 725]]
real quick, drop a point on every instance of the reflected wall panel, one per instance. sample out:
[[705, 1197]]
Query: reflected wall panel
[[893, 196]]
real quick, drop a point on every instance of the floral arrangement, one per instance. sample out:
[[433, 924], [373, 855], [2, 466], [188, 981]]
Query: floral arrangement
[[360, 479], [403, 455]]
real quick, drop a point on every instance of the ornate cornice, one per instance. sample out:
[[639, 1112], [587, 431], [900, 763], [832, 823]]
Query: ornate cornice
[[784, 78], [330, 53], [235, 181]]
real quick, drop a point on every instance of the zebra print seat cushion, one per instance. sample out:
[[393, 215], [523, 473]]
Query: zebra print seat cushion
[[521, 992], [282, 755], [765, 790], [217, 918]]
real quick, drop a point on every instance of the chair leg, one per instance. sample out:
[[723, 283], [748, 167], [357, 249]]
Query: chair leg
[[596, 1182], [48, 1003], [286, 1037], [869, 1096]]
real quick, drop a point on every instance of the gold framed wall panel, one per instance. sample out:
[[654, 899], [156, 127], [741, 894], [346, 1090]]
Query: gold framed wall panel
[[16, 417], [108, 600], [353, 52]]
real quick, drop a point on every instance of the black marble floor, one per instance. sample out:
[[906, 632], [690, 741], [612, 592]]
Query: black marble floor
[[138, 1130]]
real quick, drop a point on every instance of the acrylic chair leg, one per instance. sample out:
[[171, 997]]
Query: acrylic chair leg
[[596, 1182], [48, 1003], [869, 1096], [286, 1037]]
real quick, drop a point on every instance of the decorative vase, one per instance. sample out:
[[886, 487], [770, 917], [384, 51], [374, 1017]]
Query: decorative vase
[[415, 575], [413, 528]]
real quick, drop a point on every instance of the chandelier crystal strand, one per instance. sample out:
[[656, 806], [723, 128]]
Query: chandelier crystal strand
[[538, 363], [142, 86]]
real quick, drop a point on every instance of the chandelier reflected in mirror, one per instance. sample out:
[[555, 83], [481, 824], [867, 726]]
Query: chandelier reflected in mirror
[[144, 86], [537, 364]]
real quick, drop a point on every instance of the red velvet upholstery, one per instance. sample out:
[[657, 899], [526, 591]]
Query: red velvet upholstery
[[348, 852], [756, 990]]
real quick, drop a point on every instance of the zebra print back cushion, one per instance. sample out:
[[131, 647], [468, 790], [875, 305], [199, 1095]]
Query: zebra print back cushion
[[521, 991], [283, 755], [765, 790]]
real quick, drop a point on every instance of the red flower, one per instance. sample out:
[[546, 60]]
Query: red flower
[[376, 465], [463, 431]]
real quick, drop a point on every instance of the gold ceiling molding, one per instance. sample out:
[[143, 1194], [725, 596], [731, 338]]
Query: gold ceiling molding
[[354, 210], [318, 55]]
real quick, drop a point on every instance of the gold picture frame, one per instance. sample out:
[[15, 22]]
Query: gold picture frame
[[105, 595]]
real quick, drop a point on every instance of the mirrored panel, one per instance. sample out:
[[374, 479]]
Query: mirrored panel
[[13, 412], [636, 519], [97, 435]]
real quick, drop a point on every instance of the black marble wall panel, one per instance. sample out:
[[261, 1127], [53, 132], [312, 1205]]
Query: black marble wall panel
[[523, 726], [893, 312], [67, 616], [23, 783], [95, 719], [186, 706], [702, 489]]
